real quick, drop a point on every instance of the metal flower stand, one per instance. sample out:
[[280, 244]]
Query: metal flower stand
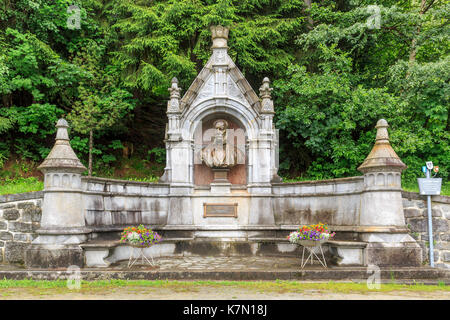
[[140, 254], [313, 249]]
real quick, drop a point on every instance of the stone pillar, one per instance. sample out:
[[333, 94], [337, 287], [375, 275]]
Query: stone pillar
[[268, 132], [173, 133], [178, 162], [264, 167], [382, 219], [62, 225]]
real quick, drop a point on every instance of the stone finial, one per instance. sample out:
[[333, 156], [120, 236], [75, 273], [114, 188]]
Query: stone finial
[[219, 36], [382, 133], [382, 155], [62, 155], [264, 90], [264, 94], [173, 105]]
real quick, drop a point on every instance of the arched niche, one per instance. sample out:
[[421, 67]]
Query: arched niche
[[246, 116], [203, 175], [239, 116]]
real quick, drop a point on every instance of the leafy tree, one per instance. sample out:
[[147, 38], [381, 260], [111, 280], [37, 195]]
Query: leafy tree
[[334, 74], [329, 116], [101, 104]]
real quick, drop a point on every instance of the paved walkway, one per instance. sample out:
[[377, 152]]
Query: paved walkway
[[198, 263]]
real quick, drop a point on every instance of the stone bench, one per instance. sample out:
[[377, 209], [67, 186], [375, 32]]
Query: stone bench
[[101, 253], [347, 252], [98, 251]]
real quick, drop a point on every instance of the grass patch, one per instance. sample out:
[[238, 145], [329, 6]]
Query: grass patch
[[278, 286], [20, 185]]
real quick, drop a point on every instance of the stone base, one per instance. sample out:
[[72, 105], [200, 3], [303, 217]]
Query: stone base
[[14, 252], [404, 255], [220, 175], [221, 188], [220, 183], [394, 249], [54, 256]]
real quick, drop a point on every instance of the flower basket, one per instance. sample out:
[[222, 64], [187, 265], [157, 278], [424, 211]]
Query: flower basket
[[135, 245], [311, 235], [140, 237], [311, 243]]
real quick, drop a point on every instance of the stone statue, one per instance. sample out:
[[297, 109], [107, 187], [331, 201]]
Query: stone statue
[[220, 153]]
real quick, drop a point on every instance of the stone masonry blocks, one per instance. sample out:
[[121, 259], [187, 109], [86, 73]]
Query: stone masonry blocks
[[416, 219], [11, 214], [19, 219]]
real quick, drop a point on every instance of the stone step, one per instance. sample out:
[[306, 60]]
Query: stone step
[[394, 275]]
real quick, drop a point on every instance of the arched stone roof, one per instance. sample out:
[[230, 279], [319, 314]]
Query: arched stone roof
[[220, 77]]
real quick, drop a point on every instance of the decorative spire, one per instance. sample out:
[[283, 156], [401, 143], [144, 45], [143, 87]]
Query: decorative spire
[[219, 36], [62, 155], [173, 105], [264, 94], [382, 154]]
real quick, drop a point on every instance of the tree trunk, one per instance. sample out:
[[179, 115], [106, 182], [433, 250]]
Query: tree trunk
[[91, 146], [310, 20], [423, 8]]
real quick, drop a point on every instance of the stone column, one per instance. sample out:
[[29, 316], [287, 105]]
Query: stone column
[[62, 225], [264, 167], [173, 134], [382, 219], [268, 131], [178, 162]]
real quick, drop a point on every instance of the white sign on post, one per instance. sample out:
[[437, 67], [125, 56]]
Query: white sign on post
[[429, 165], [430, 186]]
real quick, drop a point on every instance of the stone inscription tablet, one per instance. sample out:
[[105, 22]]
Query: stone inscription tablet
[[220, 210]]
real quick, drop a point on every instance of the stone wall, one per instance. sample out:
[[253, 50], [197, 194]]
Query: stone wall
[[416, 218], [20, 216], [336, 202], [112, 204]]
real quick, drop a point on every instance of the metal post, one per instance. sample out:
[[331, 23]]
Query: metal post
[[430, 226]]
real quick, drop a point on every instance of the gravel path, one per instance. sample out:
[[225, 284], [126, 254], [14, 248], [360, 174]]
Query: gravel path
[[207, 293]]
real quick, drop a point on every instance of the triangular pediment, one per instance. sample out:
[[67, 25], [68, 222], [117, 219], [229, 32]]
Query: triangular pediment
[[220, 78]]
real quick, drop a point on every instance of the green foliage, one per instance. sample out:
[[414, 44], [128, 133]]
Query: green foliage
[[100, 104], [350, 76], [326, 113], [159, 155], [30, 127]]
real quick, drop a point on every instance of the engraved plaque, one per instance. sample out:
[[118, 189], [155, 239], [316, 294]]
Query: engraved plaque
[[220, 210]]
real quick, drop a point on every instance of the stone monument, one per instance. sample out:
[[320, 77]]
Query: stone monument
[[220, 193], [62, 224], [221, 137]]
